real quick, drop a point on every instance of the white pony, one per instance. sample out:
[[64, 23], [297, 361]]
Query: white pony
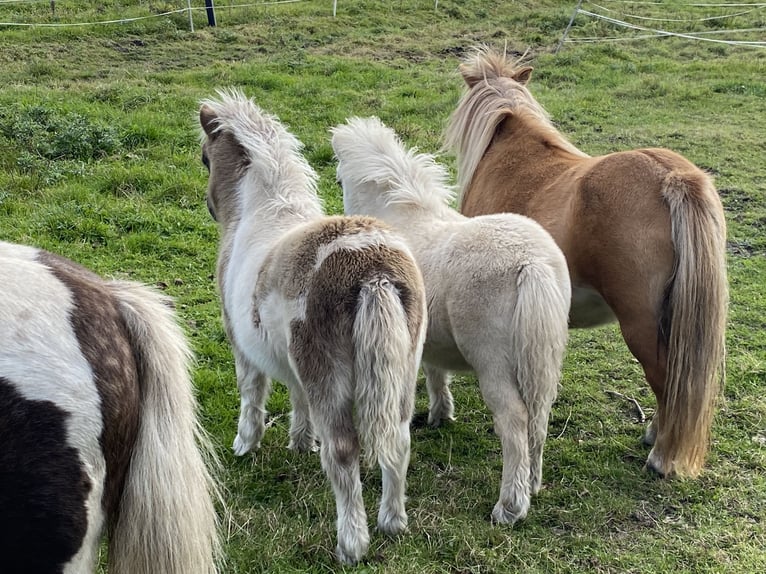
[[334, 307], [98, 429], [498, 296]]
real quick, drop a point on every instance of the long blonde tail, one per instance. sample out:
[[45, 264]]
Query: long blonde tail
[[167, 521], [385, 365], [693, 322]]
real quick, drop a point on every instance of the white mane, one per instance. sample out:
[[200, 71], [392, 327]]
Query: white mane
[[375, 154], [274, 153]]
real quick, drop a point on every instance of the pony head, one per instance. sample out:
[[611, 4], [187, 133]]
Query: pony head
[[484, 63], [253, 161], [496, 89], [377, 173]]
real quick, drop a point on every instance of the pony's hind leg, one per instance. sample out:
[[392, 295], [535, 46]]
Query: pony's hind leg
[[302, 437], [538, 432], [392, 515], [511, 425], [440, 404], [254, 388], [339, 451]]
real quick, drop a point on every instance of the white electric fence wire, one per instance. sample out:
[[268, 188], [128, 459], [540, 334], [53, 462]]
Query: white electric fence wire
[[668, 33], [136, 18], [708, 18]]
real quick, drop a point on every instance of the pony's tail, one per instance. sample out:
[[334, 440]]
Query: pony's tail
[[385, 365], [167, 521], [539, 324], [693, 323]]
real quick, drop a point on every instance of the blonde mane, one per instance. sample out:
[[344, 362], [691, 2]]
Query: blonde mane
[[492, 95]]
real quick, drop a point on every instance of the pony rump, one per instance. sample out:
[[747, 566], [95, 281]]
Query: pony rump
[[409, 177], [167, 520]]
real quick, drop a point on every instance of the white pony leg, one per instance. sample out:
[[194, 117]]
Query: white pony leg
[[302, 437], [538, 432], [340, 461], [440, 404], [254, 388], [392, 516], [511, 425]]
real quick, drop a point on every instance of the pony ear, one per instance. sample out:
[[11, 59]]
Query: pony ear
[[208, 120], [522, 75], [470, 75]]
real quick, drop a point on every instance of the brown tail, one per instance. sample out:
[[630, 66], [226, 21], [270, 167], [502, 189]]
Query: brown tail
[[693, 321]]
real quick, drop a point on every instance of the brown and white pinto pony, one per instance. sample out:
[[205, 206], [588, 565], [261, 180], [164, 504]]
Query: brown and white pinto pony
[[333, 307], [98, 426], [643, 232]]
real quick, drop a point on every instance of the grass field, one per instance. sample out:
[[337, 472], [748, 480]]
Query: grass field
[[99, 161]]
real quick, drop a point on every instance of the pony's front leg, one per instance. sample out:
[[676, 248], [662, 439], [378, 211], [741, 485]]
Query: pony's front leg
[[511, 425], [440, 404], [254, 388], [340, 461]]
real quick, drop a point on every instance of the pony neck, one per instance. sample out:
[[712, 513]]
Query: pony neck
[[280, 200]]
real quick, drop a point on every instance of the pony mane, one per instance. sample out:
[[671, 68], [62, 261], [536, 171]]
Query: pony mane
[[493, 94], [371, 152], [273, 152]]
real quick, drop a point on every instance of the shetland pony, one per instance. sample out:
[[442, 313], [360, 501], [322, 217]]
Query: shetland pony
[[334, 307], [497, 289], [98, 430], [643, 232]]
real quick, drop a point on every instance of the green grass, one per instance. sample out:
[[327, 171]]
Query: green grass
[[99, 161]]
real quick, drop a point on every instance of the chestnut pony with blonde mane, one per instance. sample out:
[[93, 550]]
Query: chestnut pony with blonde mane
[[643, 232]]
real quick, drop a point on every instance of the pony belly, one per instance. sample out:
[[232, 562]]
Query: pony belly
[[588, 309], [447, 357], [265, 341]]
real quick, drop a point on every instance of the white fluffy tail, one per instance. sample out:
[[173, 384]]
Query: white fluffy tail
[[540, 328], [167, 521], [385, 366]]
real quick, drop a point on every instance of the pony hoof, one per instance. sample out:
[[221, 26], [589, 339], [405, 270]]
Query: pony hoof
[[303, 446], [242, 447], [655, 464], [349, 558], [392, 525], [503, 514]]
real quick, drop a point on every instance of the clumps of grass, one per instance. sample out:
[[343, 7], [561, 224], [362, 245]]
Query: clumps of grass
[[50, 144], [53, 135]]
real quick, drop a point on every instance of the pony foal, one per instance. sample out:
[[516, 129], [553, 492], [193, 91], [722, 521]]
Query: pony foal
[[334, 307], [497, 289], [98, 430], [643, 232]]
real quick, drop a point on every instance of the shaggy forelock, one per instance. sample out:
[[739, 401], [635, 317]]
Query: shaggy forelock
[[370, 152]]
